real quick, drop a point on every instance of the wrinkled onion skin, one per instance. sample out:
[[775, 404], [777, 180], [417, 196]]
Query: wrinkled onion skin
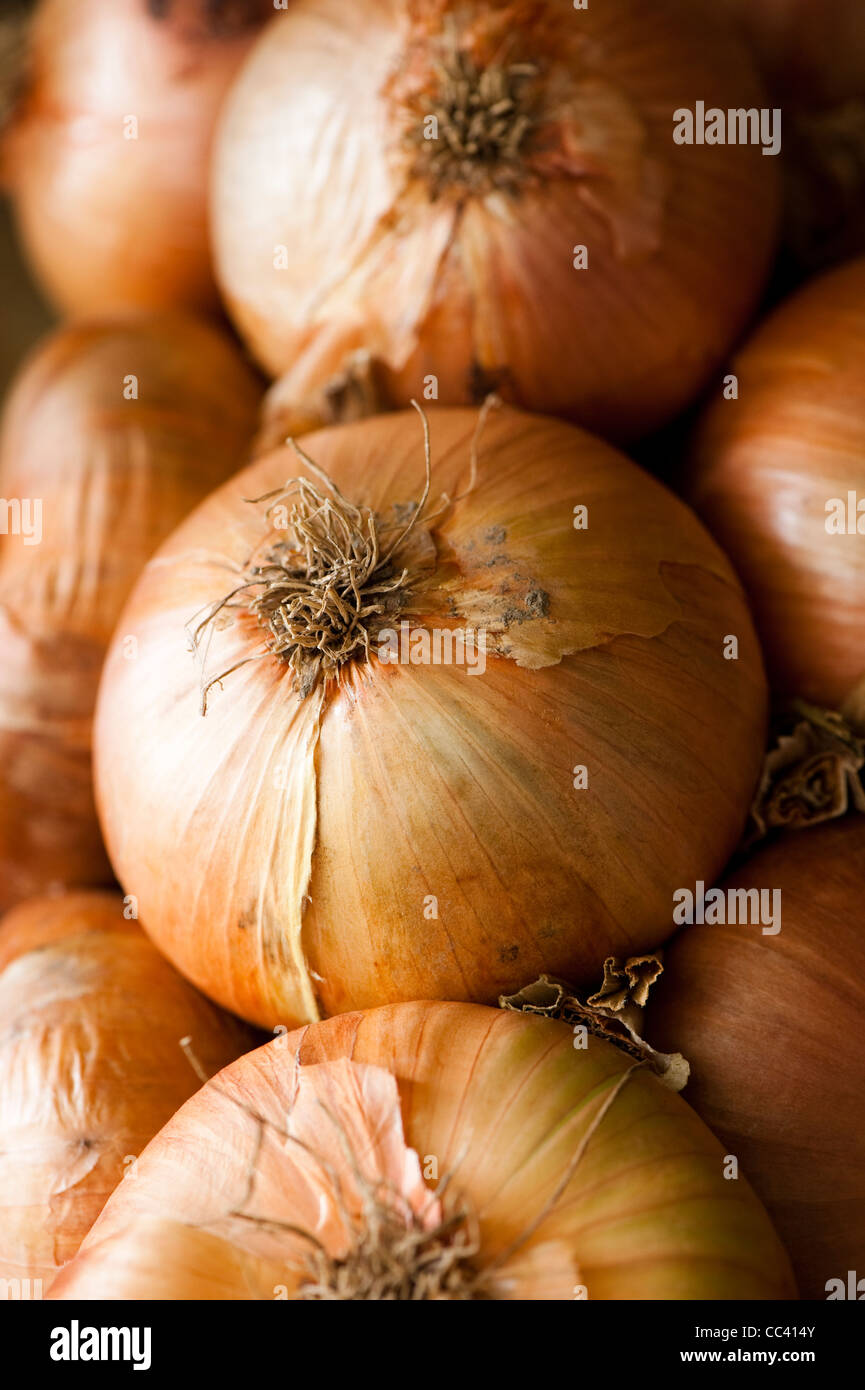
[[489, 296], [766, 465], [414, 783], [502, 1100], [114, 475], [772, 1027], [90, 1068], [111, 222]]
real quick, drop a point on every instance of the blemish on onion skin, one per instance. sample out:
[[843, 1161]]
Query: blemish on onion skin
[[508, 954], [538, 602]]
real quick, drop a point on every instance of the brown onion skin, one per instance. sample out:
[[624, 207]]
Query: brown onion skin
[[765, 466], [114, 476], [812, 55], [619, 347], [771, 1026], [812, 51], [502, 1102], [90, 1066], [109, 222], [410, 781]]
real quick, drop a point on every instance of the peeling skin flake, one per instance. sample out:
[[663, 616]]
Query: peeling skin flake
[[812, 773], [614, 1012]]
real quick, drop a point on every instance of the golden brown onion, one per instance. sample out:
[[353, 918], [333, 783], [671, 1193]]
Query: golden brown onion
[[570, 1174], [772, 1026], [112, 432], [339, 227], [107, 153], [772, 472], [91, 1066], [329, 837], [812, 53]]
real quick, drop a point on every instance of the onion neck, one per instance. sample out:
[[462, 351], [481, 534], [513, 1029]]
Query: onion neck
[[392, 1261], [477, 129], [329, 576]]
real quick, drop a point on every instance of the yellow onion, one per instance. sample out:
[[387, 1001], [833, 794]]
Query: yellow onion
[[310, 827], [112, 432], [771, 476], [107, 151], [340, 227], [91, 1066], [772, 1026], [813, 51], [432, 1151], [812, 54]]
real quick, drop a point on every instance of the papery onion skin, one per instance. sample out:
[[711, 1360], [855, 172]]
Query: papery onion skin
[[503, 1103], [110, 220], [772, 1027], [91, 1017], [481, 291], [113, 475], [413, 831], [765, 467]]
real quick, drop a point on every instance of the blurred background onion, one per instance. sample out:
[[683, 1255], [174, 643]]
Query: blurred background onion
[[112, 432], [340, 227], [106, 150], [91, 1018]]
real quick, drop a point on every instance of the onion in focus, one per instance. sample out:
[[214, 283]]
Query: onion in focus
[[339, 227], [767, 470], [107, 152], [97, 476], [561, 1173], [91, 1018], [772, 1026], [340, 831]]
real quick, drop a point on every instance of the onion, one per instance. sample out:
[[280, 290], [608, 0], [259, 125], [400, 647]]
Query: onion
[[768, 471], [91, 1067], [340, 830], [432, 1151], [97, 478], [113, 214], [339, 227], [772, 1026], [812, 53]]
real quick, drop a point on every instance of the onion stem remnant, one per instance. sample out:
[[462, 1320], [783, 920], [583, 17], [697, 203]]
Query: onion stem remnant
[[325, 590], [483, 118]]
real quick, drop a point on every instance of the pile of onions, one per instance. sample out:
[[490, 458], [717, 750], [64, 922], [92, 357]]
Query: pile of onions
[[344, 220], [107, 151], [812, 53], [432, 1151], [772, 1026], [771, 477], [91, 1018], [311, 828], [112, 432]]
